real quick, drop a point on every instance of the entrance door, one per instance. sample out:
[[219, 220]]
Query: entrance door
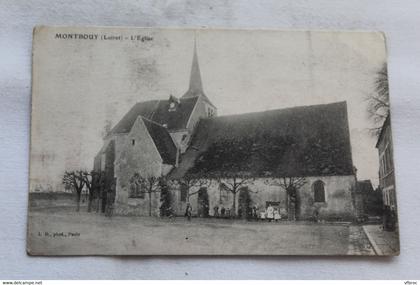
[[244, 201], [293, 205], [203, 203]]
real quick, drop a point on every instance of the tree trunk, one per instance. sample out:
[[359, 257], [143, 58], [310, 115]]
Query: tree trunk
[[150, 203], [78, 196], [90, 202], [188, 196], [98, 203], [234, 204], [291, 208]]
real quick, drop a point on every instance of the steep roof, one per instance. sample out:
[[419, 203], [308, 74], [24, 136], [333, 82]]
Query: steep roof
[[158, 111], [144, 109], [176, 119], [299, 141], [163, 141]]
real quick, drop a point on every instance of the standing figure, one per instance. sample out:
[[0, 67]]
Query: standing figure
[[270, 213], [110, 199], [255, 212], [222, 211], [316, 216], [277, 216], [216, 211], [263, 216], [188, 211]]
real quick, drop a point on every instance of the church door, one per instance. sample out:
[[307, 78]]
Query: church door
[[244, 202], [293, 204], [203, 203]]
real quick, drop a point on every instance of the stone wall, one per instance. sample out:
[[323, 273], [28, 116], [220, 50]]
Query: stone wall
[[138, 154], [338, 205]]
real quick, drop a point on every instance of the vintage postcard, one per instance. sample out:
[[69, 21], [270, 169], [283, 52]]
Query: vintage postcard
[[152, 141]]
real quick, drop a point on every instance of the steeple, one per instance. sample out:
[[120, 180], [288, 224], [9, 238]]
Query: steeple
[[196, 86]]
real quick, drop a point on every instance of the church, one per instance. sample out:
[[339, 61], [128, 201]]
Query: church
[[297, 159]]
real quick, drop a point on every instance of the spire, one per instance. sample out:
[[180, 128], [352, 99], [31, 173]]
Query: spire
[[196, 85]]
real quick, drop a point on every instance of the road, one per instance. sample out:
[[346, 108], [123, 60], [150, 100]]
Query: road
[[71, 233]]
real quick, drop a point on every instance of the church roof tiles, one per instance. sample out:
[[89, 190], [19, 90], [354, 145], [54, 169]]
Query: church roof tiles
[[158, 111], [299, 141], [163, 141]]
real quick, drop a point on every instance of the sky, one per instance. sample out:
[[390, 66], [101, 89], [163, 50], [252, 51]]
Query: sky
[[79, 84]]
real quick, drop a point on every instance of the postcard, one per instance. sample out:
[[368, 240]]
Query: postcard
[[164, 141]]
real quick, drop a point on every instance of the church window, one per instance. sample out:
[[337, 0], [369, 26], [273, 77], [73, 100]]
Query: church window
[[319, 191], [133, 142], [210, 112], [136, 190]]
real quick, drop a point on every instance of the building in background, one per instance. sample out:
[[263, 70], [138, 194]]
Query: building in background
[[387, 176], [368, 201], [386, 165]]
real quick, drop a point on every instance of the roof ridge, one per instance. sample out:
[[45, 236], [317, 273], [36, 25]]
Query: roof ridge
[[273, 110]]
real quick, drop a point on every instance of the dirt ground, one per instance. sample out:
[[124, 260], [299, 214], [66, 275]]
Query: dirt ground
[[65, 232]]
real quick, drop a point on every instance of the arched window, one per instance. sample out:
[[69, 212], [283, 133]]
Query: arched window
[[137, 190], [319, 191]]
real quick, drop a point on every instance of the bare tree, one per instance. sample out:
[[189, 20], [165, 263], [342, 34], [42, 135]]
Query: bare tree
[[146, 185], [234, 185], [190, 182], [378, 101], [291, 185], [75, 180], [230, 162], [93, 181], [286, 176]]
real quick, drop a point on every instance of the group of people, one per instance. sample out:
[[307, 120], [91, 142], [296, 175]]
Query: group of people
[[270, 214], [252, 213], [224, 212], [221, 212]]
